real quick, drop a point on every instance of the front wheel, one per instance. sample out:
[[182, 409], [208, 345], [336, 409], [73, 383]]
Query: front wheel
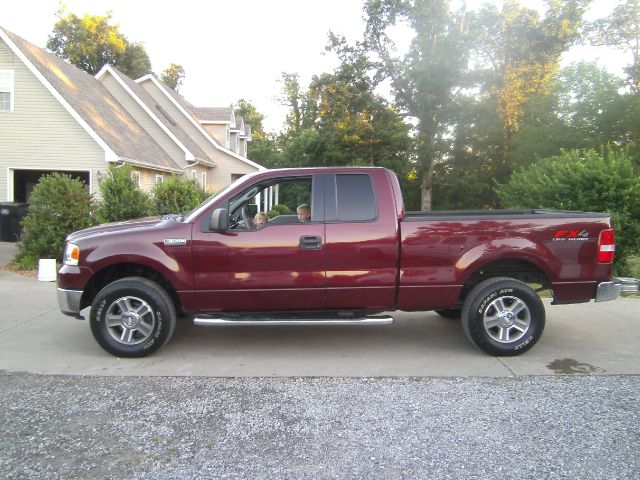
[[503, 316], [132, 317]]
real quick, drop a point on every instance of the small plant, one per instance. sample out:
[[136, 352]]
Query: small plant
[[121, 199], [176, 195], [59, 205]]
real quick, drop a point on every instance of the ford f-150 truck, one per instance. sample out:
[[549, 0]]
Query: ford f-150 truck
[[357, 256]]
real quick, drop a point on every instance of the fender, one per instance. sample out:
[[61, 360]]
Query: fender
[[517, 248]]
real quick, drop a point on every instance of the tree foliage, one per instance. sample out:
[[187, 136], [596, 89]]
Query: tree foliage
[[120, 197], [173, 76], [90, 42], [584, 180], [59, 205]]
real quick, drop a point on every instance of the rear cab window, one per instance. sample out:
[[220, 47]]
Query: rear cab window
[[356, 201]]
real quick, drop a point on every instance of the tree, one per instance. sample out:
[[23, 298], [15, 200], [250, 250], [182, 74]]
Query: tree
[[519, 54], [172, 76], [121, 199], [621, 29], [91, 42], [59, 205], [425, 79], [338, 120], [584, 180]]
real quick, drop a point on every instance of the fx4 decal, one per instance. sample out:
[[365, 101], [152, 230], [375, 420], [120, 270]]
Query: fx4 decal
[[571, 235]]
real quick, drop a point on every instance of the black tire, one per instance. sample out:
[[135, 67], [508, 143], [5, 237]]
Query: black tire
[[503, 316], [132, 317], [453, 313]]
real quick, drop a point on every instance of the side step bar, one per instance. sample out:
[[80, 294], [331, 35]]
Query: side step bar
[[255, 321]]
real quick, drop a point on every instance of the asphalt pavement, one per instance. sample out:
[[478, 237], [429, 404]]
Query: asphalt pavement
[[410, 400]]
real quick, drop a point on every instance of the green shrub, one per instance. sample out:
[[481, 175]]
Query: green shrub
[[176, 195], [121, 199], [58, 206], [279, 210], [584, 180]]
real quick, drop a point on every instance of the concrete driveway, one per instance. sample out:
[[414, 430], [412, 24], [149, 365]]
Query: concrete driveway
[[579, 339]]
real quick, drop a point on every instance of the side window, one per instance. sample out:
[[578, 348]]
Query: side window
[[272, 202], [356, 200], [6, 90]]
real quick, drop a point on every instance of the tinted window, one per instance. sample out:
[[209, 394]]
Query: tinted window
[[356, 201]]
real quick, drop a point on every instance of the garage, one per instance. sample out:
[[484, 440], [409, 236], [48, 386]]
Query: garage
[[25, 180]]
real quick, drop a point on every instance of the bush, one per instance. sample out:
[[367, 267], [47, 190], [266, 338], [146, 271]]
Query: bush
[[588, 181], [279, 210], [58, 206], [176, 195], [121, 199]]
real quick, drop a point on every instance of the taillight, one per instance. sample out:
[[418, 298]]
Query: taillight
[[606, 246]]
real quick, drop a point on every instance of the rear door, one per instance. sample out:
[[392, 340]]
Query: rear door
[[280, 266], [361, 241]]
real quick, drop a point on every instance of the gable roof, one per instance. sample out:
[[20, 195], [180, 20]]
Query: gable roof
[[159, 115], [91, 104], [214, 114], [187, 110]]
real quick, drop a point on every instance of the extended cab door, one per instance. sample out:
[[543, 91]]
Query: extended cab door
[[280, 266], [362, 241]]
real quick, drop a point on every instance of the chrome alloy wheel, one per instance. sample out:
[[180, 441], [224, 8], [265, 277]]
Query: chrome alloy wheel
[[507, 319], [130, 320]]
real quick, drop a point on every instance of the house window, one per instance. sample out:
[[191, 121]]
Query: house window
[[6, 90], [228, 137], [203, 179], [236, 176], [136, 178], [159, 179], [194, 174]]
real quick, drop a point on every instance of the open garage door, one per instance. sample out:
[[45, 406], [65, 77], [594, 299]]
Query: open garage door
[[25, 180]]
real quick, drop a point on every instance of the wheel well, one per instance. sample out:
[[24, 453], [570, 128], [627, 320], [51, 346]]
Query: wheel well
[[122, 270], [519, 269]]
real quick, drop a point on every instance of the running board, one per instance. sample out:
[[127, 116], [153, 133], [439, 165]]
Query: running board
[[255, 321]]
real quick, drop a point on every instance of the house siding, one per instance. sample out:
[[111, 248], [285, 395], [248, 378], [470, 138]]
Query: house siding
[[148, 178], [217, 132], [226, 166], [143, 118], [40, 134]]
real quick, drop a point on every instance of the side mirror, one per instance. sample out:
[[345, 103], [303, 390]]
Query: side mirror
[[219, 220]]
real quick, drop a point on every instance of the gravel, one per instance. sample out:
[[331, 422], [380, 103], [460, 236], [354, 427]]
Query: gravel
[[584, 427]]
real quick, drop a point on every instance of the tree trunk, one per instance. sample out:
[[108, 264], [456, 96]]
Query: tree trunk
[[428, 159], [427, 187]]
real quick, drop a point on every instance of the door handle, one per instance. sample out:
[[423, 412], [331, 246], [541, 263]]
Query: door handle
[[308, 242]]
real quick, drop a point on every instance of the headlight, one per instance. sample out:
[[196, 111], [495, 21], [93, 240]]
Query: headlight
[[71, 254]]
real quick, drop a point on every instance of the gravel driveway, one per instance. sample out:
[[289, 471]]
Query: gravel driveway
[[582, 427]]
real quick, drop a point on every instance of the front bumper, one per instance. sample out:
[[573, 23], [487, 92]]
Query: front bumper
[[611, 290], [69, 302]]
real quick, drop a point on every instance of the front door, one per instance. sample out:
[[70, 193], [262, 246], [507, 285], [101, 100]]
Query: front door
[[278, 266]]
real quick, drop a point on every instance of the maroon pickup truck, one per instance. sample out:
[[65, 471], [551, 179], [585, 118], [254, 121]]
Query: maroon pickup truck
[[358, 255]]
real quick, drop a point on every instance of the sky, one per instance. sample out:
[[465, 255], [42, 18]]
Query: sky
[[238, 49]]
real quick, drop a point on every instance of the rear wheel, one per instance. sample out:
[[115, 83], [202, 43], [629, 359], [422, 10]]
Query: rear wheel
[[503, 316], [132, 317]]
